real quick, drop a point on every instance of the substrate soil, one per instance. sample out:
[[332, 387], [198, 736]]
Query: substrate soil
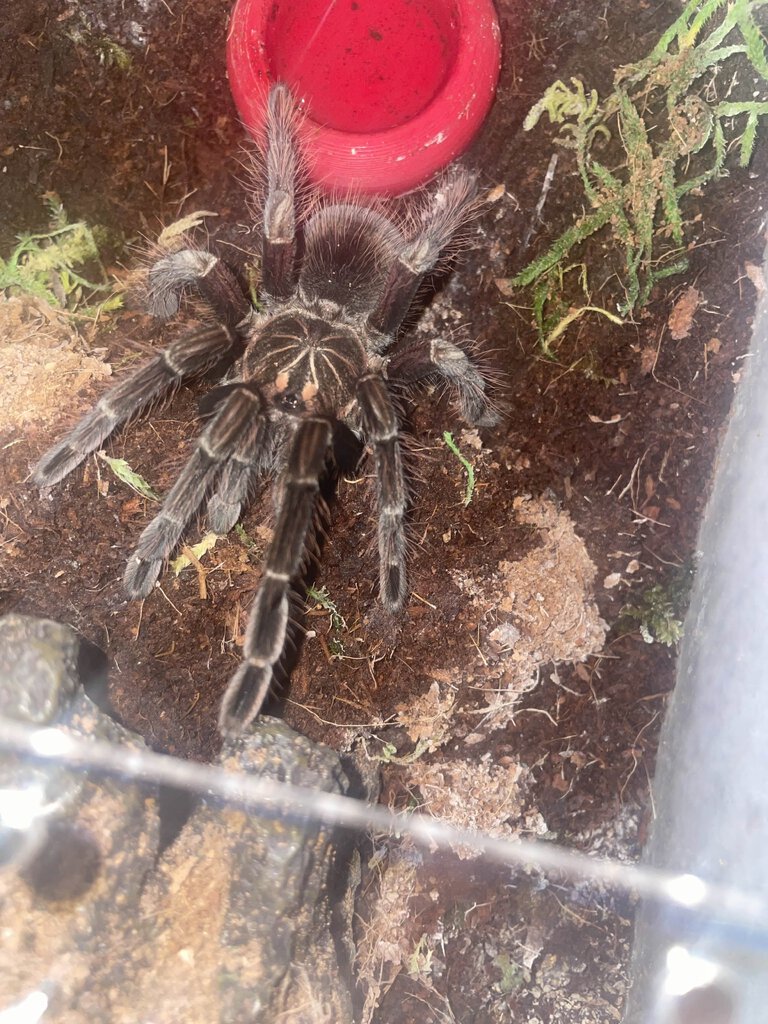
[[599, 476]]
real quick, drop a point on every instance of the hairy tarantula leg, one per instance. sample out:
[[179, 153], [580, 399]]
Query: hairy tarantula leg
[[381, 429], [213, 446], [214, 281], [279, 244], [449, 207], [451, 362], [268, 624], [192, 354], [251, 456]]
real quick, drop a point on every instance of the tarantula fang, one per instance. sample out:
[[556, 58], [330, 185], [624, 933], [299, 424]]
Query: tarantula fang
[[321, 352]]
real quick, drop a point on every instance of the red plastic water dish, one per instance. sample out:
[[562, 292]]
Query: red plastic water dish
[[392, 90]]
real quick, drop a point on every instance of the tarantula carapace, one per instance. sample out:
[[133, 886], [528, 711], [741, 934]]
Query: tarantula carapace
[[321, 352]]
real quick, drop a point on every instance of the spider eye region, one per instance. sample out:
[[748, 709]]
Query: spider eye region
[[288, 401], [306, 363]]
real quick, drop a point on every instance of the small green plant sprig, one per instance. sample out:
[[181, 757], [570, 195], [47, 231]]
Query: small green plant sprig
[[469, 469], [46, 265], [129, 476], [659, 611], [323, 599], [639, 201]]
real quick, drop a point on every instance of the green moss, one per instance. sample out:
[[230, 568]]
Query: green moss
[[659, 611], [50, 265], [322, 598], [659, 119]]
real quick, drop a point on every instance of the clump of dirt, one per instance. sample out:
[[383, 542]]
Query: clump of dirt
[[542, 610], [542, 606], [43, 363], [385, 940], [478, 797]]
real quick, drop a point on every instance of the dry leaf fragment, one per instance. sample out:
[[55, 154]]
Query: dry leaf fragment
[[169, 236], [648, 354], [616, 418], [123, 472], [560, 783], [756, 276], [428, 718], [681, 318], [191, 554]]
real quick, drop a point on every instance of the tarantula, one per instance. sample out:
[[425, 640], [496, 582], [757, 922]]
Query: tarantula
[[316, 356]]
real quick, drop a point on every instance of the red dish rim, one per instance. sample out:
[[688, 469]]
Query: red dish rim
[[391, 161]]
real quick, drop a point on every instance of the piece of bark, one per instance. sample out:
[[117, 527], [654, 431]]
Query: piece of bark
[[244, 918]]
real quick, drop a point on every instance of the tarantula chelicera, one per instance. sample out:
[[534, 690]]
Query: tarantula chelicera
[[317, 355]]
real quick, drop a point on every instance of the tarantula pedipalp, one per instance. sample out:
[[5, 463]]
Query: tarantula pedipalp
[[318, 355]]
